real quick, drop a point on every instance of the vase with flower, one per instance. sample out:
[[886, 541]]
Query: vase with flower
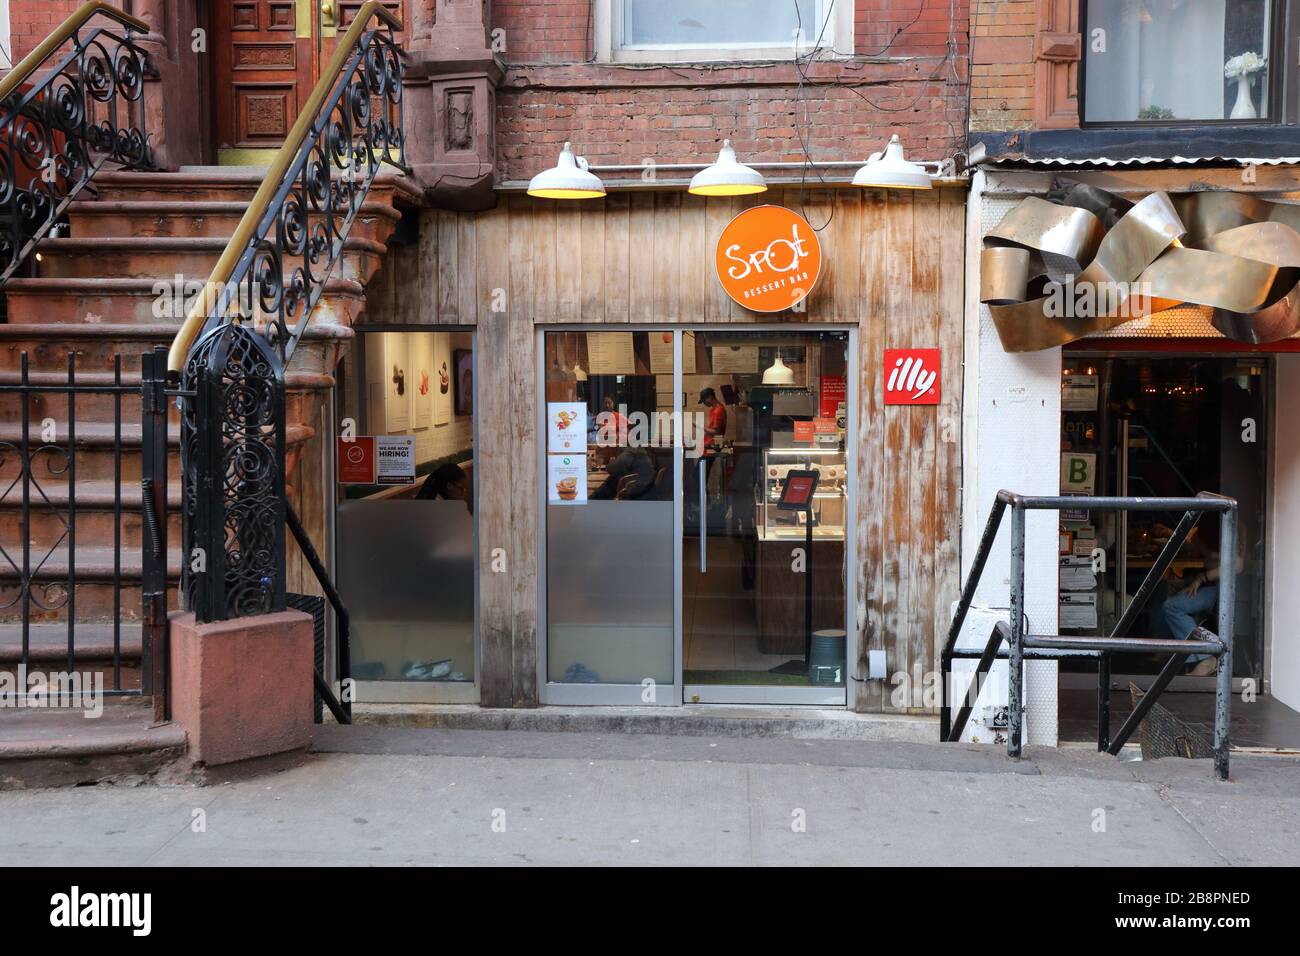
[[1243, 68]]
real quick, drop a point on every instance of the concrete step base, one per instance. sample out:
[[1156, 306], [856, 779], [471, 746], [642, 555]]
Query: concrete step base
[[809, 723], [60, 747]]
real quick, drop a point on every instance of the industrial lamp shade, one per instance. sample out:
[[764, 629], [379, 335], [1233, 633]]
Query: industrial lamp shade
[[567, 179], [778, 373], [889, 170], [726, 177]]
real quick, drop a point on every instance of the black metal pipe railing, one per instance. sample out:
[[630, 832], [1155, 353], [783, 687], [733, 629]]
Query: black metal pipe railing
[[1022, 645], [66, 111], [341, 709]]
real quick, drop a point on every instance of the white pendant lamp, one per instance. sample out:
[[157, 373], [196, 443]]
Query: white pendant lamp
[[778, 373], [889, 170], [726, 177], [569, 178]]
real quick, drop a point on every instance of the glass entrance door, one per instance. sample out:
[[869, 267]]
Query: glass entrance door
[[610, 400], [763, 588]]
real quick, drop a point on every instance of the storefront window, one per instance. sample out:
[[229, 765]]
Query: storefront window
[[1165, 60], [406, 531]]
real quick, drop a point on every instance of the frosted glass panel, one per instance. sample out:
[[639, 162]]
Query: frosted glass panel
[[406, 575], [609, 587], [685, 22]]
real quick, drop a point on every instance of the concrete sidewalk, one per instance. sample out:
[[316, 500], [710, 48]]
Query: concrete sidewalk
[[381, 795]]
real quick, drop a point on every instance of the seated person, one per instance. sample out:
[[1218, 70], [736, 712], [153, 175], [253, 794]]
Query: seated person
[[1176, 617], [635, 462], [450, 483]]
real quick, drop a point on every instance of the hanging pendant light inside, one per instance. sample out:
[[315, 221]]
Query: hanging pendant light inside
[[726, 177], [778, 373], [889, 170], [569, 178]]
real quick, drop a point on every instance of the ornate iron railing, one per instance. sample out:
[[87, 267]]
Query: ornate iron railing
[[66, 607], [65, 111], [246, 322]]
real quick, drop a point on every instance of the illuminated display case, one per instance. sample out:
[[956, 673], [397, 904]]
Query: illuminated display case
[[829, 501]]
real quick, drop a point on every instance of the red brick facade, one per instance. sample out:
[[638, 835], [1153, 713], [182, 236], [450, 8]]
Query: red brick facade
[[1024, 64], [902, 79], [30, 23]]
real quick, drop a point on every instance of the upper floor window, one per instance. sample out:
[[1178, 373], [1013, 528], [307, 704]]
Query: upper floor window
[[678, 30], [1180, 60]]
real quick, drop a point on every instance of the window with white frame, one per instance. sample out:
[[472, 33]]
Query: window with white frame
[[650, 31]]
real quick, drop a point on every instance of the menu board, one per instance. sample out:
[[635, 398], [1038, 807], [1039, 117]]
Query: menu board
[[566, 427], [611, 353], [661, 352], [735, 359], [688, 353]]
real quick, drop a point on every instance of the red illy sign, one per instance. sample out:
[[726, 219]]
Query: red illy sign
[[911, 376]]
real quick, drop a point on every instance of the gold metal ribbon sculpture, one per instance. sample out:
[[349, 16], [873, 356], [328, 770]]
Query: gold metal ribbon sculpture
[[1108, 260]]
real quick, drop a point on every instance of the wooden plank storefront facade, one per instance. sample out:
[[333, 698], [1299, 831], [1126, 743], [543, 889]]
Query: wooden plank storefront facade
[[893, 268]]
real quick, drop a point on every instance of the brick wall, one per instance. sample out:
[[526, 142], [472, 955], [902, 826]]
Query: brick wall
[[31, 21], [900, 80], [1002, 64]]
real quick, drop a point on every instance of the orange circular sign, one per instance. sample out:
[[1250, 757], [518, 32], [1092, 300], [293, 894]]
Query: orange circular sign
[[768, 258]]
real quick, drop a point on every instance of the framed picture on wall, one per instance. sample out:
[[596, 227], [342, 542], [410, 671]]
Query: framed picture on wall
[[441, 379], [463, 362], [422, 359], [397, 383]]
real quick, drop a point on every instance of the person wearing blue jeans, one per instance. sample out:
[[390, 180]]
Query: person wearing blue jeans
[[1179, 613]]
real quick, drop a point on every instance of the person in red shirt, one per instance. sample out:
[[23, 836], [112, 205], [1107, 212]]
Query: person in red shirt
[[715, 423], [612, 423]]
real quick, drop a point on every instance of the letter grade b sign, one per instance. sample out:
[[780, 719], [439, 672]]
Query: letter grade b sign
[[768, 259]]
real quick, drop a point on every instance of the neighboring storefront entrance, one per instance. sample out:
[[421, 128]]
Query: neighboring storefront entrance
[[672, 573], [406, 530], [1164, 425]]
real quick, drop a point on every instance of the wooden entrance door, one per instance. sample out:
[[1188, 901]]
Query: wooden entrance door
[[268, 55]]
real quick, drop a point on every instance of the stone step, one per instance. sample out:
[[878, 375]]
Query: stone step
[[96, 517], [223, 184], [159, 218], [164, 259], [47, 345], [104, 591], [95, 452], [102, 406], [53, 747], [97, 649], [135, 301]]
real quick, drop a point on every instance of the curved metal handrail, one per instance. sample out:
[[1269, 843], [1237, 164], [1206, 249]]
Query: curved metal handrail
[[265, 211], [65, 31], [63, 115]]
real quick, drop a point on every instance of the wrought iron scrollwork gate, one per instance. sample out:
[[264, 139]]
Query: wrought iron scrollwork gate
[[83, 572]]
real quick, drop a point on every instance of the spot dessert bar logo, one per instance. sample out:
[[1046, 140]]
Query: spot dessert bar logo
[[768, 259]]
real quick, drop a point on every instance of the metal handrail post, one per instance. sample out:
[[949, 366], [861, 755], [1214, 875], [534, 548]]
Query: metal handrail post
[[1016, 659], [963, 606], [1227, 616]]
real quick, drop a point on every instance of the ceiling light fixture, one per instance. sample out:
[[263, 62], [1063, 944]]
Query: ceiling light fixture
[[890, 170]]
